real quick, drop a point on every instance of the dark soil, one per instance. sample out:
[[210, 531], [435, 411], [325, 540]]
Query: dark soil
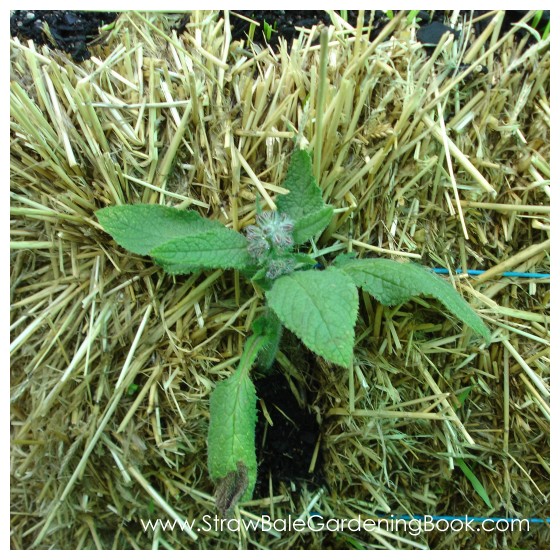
[[71, 31], [285, 449], [284, 23]]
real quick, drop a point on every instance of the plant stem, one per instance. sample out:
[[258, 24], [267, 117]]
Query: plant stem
[[253, 345], [319, 108]]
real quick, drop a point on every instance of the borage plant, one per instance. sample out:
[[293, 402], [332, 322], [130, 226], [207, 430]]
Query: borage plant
[[319, 306]]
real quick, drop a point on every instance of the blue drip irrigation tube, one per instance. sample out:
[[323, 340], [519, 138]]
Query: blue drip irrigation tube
[[508, 274]]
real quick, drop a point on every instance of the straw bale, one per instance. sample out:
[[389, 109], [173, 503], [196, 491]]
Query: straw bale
[[112, 361]]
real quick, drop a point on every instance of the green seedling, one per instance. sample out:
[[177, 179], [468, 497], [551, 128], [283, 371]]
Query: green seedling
[[132, 388], [268, 30], [536, 19], [473, 479], [463, 396], [535, 23], [251, 32], [319, 305], [411, 17], [546, 32]]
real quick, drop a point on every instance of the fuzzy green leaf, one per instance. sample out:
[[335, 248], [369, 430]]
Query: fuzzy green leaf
[[320, 307], [304, 203], [216, 248], [393, 283], [312, 224], [231, 436], [140, 228]]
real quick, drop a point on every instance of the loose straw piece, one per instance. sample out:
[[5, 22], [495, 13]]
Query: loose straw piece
[[159, 500], [376, 249], [446, 141], [506, 208], [460, 156], [255, 179], [531, 373], [60, 122], [319, 109], [514, 261]]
